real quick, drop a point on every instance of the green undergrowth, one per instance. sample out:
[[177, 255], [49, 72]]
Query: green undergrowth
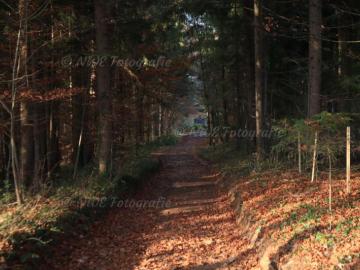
[[68, 207], [232, 160], [228, 158]]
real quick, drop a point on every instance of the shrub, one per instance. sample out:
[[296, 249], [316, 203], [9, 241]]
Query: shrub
[[331, 130]]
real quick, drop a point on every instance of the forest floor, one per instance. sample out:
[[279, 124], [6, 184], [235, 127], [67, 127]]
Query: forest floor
[[196, 231], [284, 220]]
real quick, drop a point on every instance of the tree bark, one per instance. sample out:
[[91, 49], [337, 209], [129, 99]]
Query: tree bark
[[258, 78], [53, 125], [343, 68], [53, 152], [26, 144], [315, 45], [140, 116], [13, 146], [103, 86]]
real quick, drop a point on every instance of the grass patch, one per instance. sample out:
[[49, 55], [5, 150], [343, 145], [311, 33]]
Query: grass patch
[[325, 239], [348, 225]]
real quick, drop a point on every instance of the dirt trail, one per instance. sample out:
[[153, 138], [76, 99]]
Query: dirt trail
[[197, 231]]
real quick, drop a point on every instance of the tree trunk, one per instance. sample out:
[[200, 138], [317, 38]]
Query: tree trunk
[[224, 101], [140, 116], [53, 125], [26, 144], [103, 86], [258, 78], [13, 146], [77, 109], [343, 67], [160, 120], [315, 20]]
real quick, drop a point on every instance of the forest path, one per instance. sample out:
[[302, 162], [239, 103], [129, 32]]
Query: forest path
[[194, 229]]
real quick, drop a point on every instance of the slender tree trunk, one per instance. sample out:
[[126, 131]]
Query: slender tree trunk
[[13, 146], [140, 116], [160, 120], [239, 99], [37, 135], [148, 119], [315, 45], [52, 147], [342, 59], [224, 102], [299, 153], [330, 181], [207, 99], [79, 144], [213, 126], [153, 120], [348, 159], [103, 86], [26, 145], [52, 137], [4, 153], [77, 109], [314, 163], [258, 78]]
